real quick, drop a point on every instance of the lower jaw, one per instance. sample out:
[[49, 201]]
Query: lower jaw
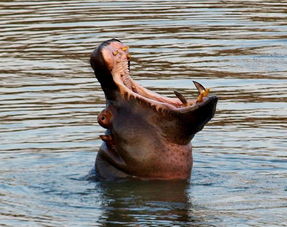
[[107, 170]]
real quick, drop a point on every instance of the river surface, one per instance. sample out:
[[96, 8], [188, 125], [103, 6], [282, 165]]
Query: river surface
[[49, 101]]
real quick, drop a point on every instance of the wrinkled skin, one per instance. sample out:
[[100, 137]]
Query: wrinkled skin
[[148, 136]]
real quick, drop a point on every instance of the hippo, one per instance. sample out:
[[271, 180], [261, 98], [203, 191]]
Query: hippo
[[148, 136]]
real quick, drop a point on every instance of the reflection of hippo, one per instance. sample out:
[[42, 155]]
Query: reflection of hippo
[[148, 203], [148, 136]]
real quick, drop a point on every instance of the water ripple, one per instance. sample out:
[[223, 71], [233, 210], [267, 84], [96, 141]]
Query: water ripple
[[50, 101]]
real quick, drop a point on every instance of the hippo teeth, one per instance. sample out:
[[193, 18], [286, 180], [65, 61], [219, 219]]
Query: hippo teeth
[[199, 87], [202, 91], [124, 48], [181, 98], [119, 59]]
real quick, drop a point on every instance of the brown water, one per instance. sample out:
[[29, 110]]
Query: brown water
[[49, 101]]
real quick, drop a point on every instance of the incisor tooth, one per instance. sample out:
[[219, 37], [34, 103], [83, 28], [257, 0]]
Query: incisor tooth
[[125, 48]]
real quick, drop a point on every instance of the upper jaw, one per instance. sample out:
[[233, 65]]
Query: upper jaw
[[115, 57]]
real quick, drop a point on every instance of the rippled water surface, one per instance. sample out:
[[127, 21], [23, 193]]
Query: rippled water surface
[[50, 101]]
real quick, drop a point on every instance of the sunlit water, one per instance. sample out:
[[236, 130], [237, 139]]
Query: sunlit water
[[50, 101]]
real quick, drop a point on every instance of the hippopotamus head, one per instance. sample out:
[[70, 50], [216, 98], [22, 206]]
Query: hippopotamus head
[[148, 135]]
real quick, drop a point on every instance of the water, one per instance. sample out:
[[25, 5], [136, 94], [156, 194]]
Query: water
[[50, 101]]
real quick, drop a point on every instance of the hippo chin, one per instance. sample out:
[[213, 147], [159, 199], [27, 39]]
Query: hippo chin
[[148, 136]]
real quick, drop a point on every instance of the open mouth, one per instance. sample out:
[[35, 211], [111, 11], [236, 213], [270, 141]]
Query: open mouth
[[117, 59]]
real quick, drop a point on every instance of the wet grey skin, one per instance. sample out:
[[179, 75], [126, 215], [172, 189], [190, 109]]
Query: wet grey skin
[[148, 136]]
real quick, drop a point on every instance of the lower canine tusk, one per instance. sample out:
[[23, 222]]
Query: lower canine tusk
[[203, 93], [180, 97]]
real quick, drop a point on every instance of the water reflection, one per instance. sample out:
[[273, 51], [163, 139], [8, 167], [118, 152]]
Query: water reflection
[[49, 100], [147, 201]]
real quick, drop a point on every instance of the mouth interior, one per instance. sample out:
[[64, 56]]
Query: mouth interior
[[135, 89], [118, 60]]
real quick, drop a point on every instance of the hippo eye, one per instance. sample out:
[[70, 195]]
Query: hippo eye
[[103, 118]]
